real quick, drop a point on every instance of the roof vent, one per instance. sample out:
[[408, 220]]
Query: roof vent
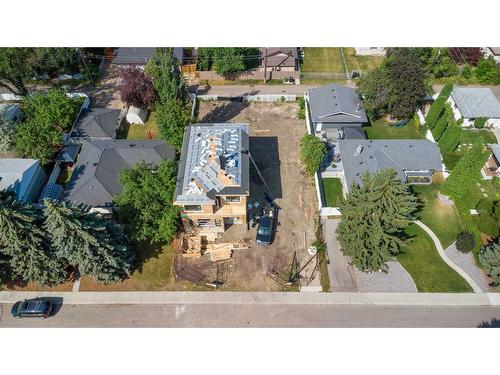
[[359, 149]]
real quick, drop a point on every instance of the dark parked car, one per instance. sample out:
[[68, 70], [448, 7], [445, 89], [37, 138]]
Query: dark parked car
[[265, 229], [32, 308]]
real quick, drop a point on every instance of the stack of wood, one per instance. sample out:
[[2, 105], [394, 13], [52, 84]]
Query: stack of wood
[[224, 250], [193, 246]]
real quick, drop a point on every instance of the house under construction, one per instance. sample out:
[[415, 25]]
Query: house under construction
[[213, 178]]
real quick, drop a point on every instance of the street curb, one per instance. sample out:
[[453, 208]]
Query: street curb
[[261, 298]]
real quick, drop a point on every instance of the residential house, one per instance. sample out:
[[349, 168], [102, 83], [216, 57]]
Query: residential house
[[96, 176], [492, 51], [471, 103], [332, 109], [97, 123], [213, 179], [492, 166], [370, 51], [139, 56], [24, 177], [415, 161], [279, 59]]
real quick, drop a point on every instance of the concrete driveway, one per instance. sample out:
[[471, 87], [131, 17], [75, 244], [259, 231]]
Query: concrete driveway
[[341, 274]]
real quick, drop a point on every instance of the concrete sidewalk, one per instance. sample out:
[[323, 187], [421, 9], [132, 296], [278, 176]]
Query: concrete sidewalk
[[261, 298]]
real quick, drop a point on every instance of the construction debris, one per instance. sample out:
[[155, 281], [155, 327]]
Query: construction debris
[[195, 246]]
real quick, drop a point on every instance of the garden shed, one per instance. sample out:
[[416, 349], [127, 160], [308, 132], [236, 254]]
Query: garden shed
[[137, 115]]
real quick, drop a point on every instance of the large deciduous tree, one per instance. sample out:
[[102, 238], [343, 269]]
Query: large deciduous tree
[[227, 60], [145, 205], [16, 69], [172, 117], [136, 88], [164, 70], [95, 246], [374, 217]]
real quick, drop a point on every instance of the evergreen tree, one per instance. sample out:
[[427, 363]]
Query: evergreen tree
[[24, 242], [489, 259], [96, 246], [374, 217]]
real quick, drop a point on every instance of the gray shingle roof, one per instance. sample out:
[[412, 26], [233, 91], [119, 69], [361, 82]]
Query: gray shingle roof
[[474, 102], [280, 56], [197, 180], [376, 155], [97, 123], [139, 55], [95, 179], [495, 149], [336, 104]]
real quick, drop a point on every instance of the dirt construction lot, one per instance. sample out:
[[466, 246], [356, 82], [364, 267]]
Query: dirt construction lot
[[275, 133]]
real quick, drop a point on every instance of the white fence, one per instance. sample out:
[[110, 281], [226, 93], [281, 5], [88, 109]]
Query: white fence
[[253, 98]]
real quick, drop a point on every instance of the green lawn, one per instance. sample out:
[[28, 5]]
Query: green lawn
[[363, 63], [138, 131], [333, 191], [442, 219], [470, 135], [322, 60], [381, 129], [429, 271]]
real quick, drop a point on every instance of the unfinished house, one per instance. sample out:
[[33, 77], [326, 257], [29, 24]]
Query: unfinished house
[[213, 178]]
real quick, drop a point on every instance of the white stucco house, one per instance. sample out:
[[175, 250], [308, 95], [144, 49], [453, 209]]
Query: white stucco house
[[24, 177], [471, 103]]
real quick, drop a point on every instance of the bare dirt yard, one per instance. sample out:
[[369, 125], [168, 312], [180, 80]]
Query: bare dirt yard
[[275, 133]]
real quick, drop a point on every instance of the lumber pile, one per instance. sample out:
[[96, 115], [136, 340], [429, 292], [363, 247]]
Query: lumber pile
[[224, 250]]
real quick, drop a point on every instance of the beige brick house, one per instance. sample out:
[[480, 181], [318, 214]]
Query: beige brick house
[[213, 178]]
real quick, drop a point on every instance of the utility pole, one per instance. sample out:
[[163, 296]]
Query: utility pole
[[265, 64], [85, 64]]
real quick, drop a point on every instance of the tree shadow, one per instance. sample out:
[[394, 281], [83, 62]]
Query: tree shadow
[[265, 153], [493, 323], [225, 112]]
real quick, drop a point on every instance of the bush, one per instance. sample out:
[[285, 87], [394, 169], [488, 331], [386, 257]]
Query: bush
[[487, 224], [7, 130], [467, 72], [489, 259], [302, 109], [486, 70], [312, 153], [480, 122], [465, 242], [438, 106], [451, 138], [440, 127]]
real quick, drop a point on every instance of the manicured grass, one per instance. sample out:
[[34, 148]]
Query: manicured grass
[[333, 191], [381, 129], [154, 272], [363, 63], [450, 159], [321, 81], [138, 131], [322, 60], [429, 271], [442, 219], [469, 136]]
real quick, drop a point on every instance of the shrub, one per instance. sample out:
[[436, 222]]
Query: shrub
[[450, 139], [302, 109], [480, 122], [438, 106], [486, 70], [7, 130], [312, 153], [440, 127], [489, 259], [487, 224], [467, 72], [465, 242]]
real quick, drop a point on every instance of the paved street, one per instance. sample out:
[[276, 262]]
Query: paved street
[[258, 316]]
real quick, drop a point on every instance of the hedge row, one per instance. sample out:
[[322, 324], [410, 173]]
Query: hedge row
[[440, 127], [451, 138], [438, 106]]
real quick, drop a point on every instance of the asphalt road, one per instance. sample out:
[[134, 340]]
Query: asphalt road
[[259, 316]]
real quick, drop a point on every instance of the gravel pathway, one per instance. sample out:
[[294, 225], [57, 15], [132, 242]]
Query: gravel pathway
[[396, 280], [467, 263]]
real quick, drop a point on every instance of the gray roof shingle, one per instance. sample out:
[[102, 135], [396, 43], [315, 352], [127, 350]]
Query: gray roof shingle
[[376, 155], [474, 102], [139, 55], [97, 123], [336, 104], [95, 179]]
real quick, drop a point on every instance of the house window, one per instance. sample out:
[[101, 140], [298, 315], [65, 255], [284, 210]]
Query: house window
[[231, 199], [204, 222], [194, 207]]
